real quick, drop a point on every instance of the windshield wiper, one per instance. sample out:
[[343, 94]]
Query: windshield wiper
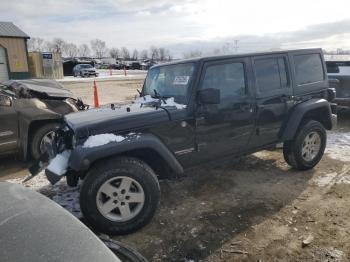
[[159, 96]]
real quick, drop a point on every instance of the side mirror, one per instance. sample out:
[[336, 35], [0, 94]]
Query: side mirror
[[5, 101], [209, 96]]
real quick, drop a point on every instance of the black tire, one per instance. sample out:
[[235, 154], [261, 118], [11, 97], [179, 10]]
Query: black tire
[[287, 145], [37, 137], [124, 252], [292, 150], [120, 167]]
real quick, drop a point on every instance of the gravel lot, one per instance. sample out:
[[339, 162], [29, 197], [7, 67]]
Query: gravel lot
[[115, 89], [251, 209]]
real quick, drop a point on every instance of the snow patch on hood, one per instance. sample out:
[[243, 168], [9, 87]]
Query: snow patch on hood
[[59, 164], [168, 102], [102, 139], [139, 102]]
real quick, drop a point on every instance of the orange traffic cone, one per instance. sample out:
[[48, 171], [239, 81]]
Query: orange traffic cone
[[96, 102]]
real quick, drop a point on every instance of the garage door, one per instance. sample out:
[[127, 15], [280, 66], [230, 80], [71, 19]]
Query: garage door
[[3, 65]]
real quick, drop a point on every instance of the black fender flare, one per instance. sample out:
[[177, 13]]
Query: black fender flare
[[82, 158], [290, 127]]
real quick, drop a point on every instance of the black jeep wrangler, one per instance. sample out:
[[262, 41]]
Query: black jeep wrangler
[[190, 112]]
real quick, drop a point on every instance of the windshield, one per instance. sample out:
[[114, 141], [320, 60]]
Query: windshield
[[169, 81], [86, 66]]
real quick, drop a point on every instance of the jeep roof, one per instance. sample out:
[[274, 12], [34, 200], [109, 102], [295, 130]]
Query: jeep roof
[[223, 57]]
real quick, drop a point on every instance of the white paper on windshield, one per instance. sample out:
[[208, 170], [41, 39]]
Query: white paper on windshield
[[181, 80]]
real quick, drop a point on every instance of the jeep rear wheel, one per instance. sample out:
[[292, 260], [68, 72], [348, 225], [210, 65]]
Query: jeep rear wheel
[[120, 195], [307, 149]]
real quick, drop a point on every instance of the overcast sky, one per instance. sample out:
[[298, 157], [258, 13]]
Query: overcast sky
[[183, 25]]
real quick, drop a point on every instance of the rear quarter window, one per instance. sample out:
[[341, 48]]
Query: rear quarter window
[[308, 69]]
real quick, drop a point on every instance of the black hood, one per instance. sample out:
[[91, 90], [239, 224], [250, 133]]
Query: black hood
[[100, 121]]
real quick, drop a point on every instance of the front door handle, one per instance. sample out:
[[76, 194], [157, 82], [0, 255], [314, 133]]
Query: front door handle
[[286, 98], [246, 107]]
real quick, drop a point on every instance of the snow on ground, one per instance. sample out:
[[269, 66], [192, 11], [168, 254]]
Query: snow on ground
[[105, 75], [332, 179], [338, 146], [102, 139]]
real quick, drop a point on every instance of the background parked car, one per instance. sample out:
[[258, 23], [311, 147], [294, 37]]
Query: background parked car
[[135, 65], [84, 70], [69, 64], [339, 77], [30, 111], [147, 64]]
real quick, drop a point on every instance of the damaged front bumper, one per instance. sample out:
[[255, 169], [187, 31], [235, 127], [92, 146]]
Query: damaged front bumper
[[55, 159]]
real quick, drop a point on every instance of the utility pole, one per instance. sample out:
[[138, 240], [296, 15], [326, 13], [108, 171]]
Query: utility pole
[[235, 45]]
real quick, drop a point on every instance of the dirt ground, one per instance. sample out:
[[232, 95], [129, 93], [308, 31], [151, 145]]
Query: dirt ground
[[109, 90], [251, 209]]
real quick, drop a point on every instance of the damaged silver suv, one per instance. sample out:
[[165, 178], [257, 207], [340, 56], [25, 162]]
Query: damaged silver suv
[[30, 110]]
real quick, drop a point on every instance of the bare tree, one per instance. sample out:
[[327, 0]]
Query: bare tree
[[36, 44], [162, 53], [168, 55], [98, 47], [125, 54], [144, 54], [84, 50], [154, 53], [114, 53], [192, 54], [135, 55], [56, 45], [217, 51], [70, 50]]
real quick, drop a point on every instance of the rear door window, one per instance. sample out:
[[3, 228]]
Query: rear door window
[[271, 75], [308, 69]]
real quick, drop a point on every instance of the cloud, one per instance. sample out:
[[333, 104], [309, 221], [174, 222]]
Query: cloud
[[186, 24], [328, 35]]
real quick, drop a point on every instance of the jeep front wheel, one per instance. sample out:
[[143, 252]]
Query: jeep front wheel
[[307, 149], [120, 195]]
